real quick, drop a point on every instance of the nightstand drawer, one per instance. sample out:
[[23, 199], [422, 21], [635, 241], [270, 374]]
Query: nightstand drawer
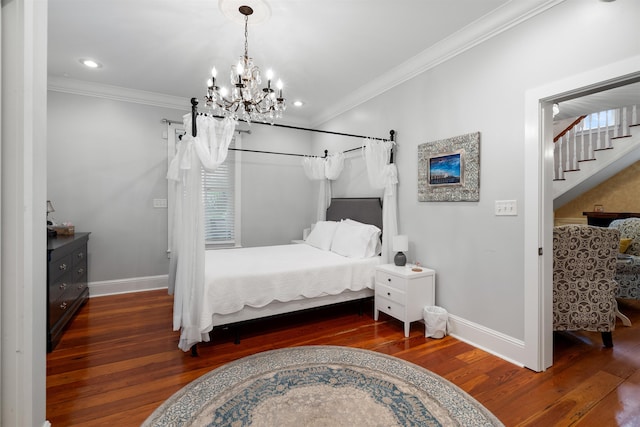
[[391, 293], [392, 308], [385, 278]]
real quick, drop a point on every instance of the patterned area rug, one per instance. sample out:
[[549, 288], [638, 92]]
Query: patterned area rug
[[321, 386]]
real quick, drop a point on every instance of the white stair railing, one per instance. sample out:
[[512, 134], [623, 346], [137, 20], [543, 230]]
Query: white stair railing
[[595, 132]]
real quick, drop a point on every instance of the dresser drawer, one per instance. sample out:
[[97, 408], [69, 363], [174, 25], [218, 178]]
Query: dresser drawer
[[390, 293], [80, 256], [392, 308], [60, 267], [60, 285], [64, 307], [385, 278]]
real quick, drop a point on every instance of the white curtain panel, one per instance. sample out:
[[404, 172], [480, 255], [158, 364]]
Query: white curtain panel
[[314, 170], [323, 170], [207, 150], [383, 175]]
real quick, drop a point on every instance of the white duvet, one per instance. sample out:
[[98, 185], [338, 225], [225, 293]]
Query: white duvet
[[255, 277]]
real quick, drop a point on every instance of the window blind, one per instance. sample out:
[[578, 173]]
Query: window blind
[[218, 189]]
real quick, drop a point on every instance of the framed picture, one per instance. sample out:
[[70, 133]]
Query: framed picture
[[446, 169], [449, 169]]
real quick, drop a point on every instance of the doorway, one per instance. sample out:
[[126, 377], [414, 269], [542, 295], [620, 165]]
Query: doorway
[[539, 197]]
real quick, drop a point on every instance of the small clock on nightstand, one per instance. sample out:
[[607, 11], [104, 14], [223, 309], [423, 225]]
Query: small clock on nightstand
[[403, 293]]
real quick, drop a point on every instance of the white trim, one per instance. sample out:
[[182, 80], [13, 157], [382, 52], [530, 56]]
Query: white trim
[[538, 200], [23, 29], [502, 19], [136, 96], [496, 343], [116, 93], [125, 286]]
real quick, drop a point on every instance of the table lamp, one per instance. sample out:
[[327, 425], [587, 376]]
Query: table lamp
[[400, 245], [50, 231]]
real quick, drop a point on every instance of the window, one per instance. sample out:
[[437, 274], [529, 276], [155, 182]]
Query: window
[[599, 120], [221, 195]]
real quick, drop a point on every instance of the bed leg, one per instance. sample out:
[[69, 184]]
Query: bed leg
[[194, 350]]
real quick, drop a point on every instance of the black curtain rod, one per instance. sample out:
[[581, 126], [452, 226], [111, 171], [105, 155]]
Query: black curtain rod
[[194, 109], [326, 152], [194, 131], [269, 152]]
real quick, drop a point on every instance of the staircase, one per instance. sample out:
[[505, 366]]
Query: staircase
[[593, 149]]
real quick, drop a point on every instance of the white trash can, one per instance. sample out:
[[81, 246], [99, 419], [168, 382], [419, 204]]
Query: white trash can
[[435, 321]]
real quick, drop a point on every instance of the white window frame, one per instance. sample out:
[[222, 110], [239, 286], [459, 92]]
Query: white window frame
[[174, 130]]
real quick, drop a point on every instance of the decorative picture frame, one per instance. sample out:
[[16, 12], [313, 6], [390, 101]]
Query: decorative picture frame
[[449, 169]]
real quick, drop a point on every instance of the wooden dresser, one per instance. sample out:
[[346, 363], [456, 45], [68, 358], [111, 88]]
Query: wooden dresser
[[603, 219], [67, 288]]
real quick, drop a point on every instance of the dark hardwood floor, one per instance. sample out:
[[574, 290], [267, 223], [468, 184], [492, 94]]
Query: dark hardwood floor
[[119, 360]]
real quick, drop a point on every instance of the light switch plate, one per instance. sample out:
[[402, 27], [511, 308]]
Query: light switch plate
[[159, 203], [506, 208]]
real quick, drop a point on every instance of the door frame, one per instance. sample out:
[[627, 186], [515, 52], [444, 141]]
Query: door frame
[[538, 198]]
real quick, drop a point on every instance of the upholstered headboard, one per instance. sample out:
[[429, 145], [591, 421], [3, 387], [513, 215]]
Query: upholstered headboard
[[367, 210]]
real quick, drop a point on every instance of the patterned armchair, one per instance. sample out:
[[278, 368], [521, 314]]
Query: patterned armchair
[[628, 271], [584, 267]]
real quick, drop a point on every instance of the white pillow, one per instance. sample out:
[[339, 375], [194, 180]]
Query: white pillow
[[356, 240], [322, 235]]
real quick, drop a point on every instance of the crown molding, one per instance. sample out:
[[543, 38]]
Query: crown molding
[[503, 18], [117, 93]]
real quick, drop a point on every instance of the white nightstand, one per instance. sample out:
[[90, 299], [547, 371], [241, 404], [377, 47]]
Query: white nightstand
[[403, 293]]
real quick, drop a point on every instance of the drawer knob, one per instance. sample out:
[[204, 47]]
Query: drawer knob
[[62, 266], [388, 279], [388, 293], [81, 255], [62, 286], [63, 306]]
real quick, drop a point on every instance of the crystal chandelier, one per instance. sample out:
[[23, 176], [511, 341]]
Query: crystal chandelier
[[246, 99]]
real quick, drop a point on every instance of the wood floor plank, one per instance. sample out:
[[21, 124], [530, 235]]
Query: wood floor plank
[[107, 372]]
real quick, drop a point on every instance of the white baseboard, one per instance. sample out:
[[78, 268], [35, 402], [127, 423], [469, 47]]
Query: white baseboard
[[124, 286], [496, 343]]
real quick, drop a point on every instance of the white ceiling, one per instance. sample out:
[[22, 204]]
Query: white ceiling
[[331, 54], [622, 96]]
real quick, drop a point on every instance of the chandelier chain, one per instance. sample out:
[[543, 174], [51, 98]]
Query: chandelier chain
[[246, 36]]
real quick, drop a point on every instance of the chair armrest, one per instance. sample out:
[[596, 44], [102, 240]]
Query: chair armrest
[[628, 264]]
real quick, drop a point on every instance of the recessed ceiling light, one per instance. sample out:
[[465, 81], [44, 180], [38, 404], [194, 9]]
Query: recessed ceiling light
[[90, 63], [298, 103]]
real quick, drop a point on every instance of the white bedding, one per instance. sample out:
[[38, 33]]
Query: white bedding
[[255, 277]]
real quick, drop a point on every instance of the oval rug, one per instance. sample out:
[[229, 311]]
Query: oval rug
[[321, 386]]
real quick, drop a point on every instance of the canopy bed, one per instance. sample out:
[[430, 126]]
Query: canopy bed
[[220, 287]]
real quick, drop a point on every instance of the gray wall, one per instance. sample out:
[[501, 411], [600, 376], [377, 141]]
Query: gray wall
[[478, 256], [278, 201], [107, 161]]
